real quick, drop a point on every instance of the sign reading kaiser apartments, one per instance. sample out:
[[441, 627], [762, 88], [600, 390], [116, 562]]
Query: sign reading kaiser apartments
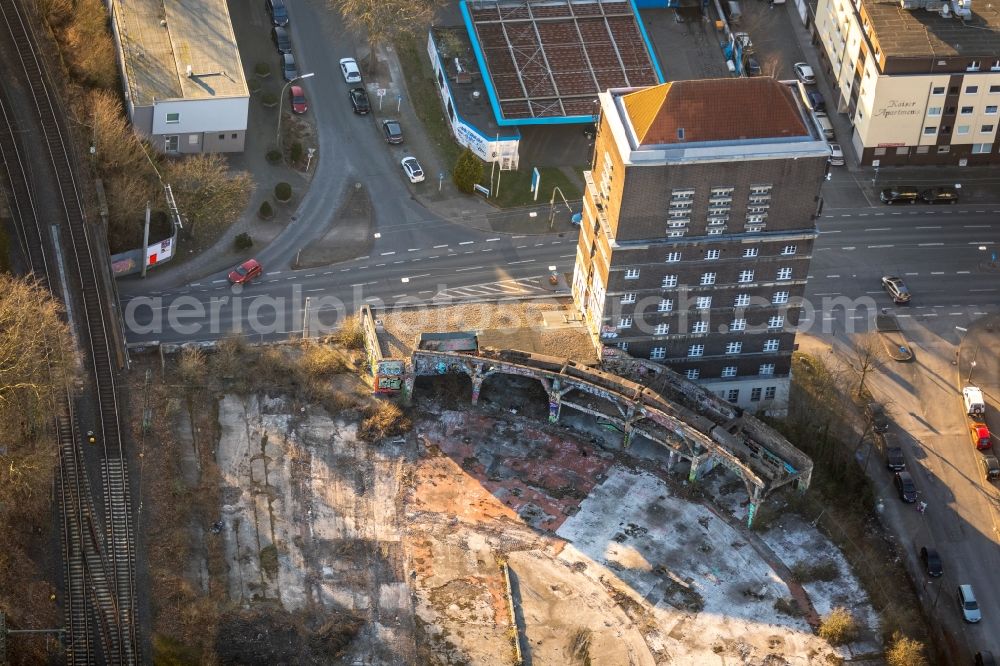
[[897, 112]]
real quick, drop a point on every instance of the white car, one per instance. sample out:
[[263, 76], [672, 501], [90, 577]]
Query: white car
[[411, 167], [804, 73], [349, 68], [836, 155]]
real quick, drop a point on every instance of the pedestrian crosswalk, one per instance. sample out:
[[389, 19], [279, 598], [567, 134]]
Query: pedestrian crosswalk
[[503, 288]]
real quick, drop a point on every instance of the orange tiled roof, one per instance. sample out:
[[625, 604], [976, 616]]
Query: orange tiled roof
[[713, 110]]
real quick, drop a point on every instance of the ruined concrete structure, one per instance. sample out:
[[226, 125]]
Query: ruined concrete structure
[[658, 404]]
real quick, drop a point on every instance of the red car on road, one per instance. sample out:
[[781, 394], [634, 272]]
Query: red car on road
[[298, 97], [980, 436], [245, 272]]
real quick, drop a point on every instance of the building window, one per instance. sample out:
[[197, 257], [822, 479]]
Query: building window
[[962, 129], [934, 110], [703, 303], [973, 67], [991, 110], [769, 392], [788, 250], [233, 136], [879, 152], [995, 67], [779, 297], [171, 143], [777, 321], [756, 219], [930, 130], [986, 129], [771, 345], [903, 150], [742, 300], [981, 148], [723, 191], [707, 279], [937, 90], [734, 347], [760, 189], [749, 252], [696, 350], [685, 193], [712, 254], [733, 395], [746, 276], [676, 233], [622, 345], [755, 394], [994, 90], [662, 329], [699, 327], [692, 373], [715, 231], [758, 209], [738, 325], [625, 322], [971, 90], [766, 369], [222, 137], [669, 280], [943, 149], [784, 273], [173, 118], [665, 305], [628, 298], [729, 371], [673, 257], [631, 273], [923, 150], [657, 353], [967, 110]]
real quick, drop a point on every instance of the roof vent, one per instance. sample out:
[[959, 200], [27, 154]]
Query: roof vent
[[163, 23], [190, 71], [475, 94], [680, 133]]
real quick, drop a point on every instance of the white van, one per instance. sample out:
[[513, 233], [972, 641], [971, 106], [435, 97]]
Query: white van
[[974, 404], [825, 125]]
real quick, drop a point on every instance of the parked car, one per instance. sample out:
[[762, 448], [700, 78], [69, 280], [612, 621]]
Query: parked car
[[935, 195], [359, 101], [393, 132], [825, 126], [896, 288], [905, 487], [899, 194], [278, 11], [990, 466], [967, 602], [281, 40], [289, 69], [245, 272], [932, 561], [298, 99], [349, 68], [975, 405], [753, 67], [836, 155], [980, 435], [411, 167], [877, 416], [894, 459], [804, 73], [816, 100]]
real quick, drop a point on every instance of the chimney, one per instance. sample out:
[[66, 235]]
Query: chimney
[[190, 71]]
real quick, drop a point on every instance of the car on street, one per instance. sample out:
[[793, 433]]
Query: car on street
[[816, 100], [931, 561], [877, 416], [753, 66], [278, 12], [245, 272], [896, 288], [297, 96], [392, 130], [836, 155], [990, 466], [349, 68], [281, 40], [894, 459], [899, 194], [980, 435], [411, 167], [967, 602], [804, 73], [905, 487], [936, 195], [289, 69], [359, 101]]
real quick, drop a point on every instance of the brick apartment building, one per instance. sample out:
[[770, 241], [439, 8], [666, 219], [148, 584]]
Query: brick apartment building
[[919, 80], [698, 230]]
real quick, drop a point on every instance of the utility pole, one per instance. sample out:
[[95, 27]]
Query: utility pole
[[145, 241], [305, 319]]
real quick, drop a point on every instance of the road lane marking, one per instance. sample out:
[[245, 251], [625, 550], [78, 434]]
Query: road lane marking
[[928, 244], [872, 247], [520, 247], [990, 289], [836, 231], [911, 273], [879, 229], [414, 249], [936, 227], [467, 242], [438, 247], [962, 272], [470, 268], [833, 276], [386, 254], [312, 290], [975, 226], [937, 272], [490, 240], [523, 261]]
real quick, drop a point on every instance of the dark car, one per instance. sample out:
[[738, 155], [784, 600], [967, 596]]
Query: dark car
[[900, 194], [932, 561], [816, 100], [281, 40], [753, 67], [936, 195], [876, 413], [359, 100], [894, 459], [905, 487], [896, 289], [289, 69], [393, 132], [278, 11], [990, 466]]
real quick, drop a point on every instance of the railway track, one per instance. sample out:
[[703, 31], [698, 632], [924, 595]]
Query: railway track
[[98, 547]]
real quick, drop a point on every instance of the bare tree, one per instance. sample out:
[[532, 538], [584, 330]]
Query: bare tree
[[208, 194], [867, 356], [384, 20]]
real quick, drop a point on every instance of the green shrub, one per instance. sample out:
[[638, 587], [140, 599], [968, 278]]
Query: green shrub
[[243, 241], [269, 99], [266, 210], [273, 156], [262, 69], [468, 171], [282, 191], [295, 153]]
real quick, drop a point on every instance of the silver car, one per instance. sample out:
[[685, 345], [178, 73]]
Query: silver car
[[288, 67], [967, 602]]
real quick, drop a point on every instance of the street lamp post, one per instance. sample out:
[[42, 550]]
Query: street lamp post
[[281, 103]]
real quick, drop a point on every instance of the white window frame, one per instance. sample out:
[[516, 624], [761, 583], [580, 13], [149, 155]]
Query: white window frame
[[692, 373], [169, 139], [699, 327], [662, 329], [625, 322], [734, 347], [785, 273], [738, 324], [789, 250], [628, 297], [665, 305], [728, 371], [779, 297], [750, 252], [673, 257], [771, 345], [696, 350], [742, 300], [746, 276], [766, 370], [669, 281], [712, 254], [631, 273], [707, 279], [657, 353], [173, 118], [776, 322], [703, 303]]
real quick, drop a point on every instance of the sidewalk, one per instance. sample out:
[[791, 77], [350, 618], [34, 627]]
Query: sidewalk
[[978, 364]]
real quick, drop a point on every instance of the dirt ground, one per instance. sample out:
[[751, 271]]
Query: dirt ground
[[349, 235]]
